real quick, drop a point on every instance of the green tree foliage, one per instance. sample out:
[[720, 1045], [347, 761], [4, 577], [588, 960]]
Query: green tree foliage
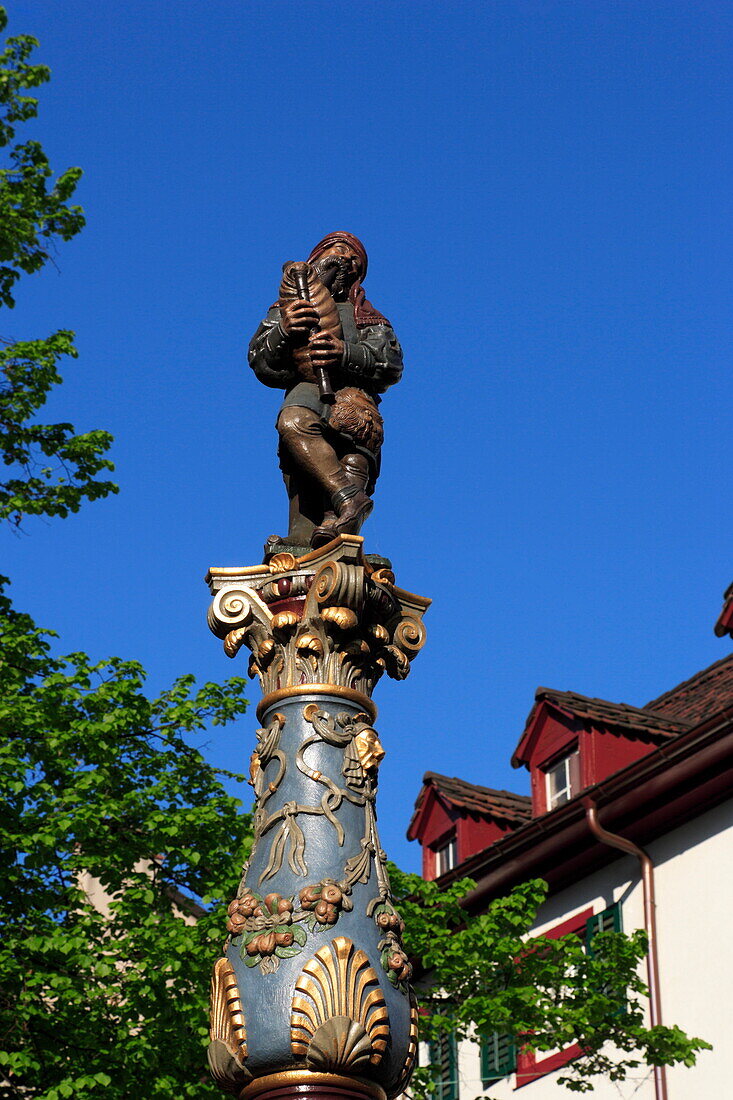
[[112, 821], [34, 209], [487, 974], [52, 469], [113, 827]]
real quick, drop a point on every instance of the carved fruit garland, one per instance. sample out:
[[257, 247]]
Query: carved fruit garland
[[272, 928]]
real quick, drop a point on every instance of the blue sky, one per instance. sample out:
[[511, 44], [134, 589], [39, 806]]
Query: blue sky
[[544, 192]]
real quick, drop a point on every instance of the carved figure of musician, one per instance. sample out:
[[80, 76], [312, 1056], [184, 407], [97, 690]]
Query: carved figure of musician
[[333, 353]]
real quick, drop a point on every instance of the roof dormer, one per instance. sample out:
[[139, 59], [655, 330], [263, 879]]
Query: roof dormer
[[454, 819], [571, 742], [724, 625]]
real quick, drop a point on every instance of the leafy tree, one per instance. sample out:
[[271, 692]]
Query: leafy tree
[[52, 469], [487, 974], [113, 828], [102, 980], [32, 214]]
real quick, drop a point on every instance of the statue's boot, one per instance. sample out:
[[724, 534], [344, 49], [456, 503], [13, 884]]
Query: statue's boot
[[350, 511], [353, 512], [325, 531]]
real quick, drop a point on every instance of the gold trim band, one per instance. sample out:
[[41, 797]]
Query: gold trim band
[[351, 694], [290, 1077]]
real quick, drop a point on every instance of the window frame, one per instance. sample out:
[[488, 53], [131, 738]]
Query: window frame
[[607, 920], [529, 1069], [503, 1065], [449, 845], [445, 1089], [610, 917], [570, 758]]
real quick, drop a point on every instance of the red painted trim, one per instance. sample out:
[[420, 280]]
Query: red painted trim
[[528, 1068], [414, 830], [567, 927], [724, 624], [547, 1065], [423, 826], [442, 839], [291, 603]]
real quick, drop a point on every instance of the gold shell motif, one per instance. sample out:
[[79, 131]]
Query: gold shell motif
[[410, 1060], [339, 1019], [227, 1051]]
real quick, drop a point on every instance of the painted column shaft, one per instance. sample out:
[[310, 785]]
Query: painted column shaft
[[313, 983]]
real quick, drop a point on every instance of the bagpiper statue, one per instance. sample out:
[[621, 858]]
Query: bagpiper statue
[[311, 994]]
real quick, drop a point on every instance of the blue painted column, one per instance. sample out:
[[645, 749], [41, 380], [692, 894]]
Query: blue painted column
[[311, 994]]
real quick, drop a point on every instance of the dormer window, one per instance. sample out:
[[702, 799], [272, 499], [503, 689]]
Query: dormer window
[[563, 780], [446, 856]]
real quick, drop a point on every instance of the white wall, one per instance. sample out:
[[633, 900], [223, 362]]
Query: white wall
[[694, 908], [694, 890]]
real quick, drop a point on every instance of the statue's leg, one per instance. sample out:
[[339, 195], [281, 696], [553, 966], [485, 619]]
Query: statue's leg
[[303, 438], [305, 500], [357, 467]]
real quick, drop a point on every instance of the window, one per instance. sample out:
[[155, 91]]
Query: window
[[446, 857], [563, 780], [531, 1065], [443, 1056], [587, 924], [498, 1057], [607, 921]]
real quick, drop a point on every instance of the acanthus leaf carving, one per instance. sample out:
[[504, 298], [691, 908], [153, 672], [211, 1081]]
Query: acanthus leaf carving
[[341, 623]]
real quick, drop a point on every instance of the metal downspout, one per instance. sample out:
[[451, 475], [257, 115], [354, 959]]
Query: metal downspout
[[613, 840]]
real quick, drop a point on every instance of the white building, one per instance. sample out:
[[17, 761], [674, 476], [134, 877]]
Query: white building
[[658, 778]]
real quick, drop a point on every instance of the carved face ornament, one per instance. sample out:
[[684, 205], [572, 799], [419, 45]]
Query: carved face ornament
[[369, 748]]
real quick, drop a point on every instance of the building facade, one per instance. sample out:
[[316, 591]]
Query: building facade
[[630, 822]]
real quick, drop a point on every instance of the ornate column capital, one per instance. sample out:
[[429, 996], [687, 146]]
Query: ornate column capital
[[331, 618]]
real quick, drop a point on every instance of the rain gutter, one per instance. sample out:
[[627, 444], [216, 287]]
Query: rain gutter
[[613, 840]]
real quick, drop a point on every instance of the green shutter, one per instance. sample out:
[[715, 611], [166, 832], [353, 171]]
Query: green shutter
[[609, 920], [444, 1060], [498, 1057]]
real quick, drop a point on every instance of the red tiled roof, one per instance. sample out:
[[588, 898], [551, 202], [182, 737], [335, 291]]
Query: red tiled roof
[[703, 695], [654, 794], [639, 720], [724, 624], [484, 800]]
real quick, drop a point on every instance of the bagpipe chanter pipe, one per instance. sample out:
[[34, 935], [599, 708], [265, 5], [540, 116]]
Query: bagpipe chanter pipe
[[301, 283]]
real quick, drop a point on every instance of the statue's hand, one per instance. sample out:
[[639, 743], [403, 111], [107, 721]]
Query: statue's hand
[[298, 318], [326, 350]]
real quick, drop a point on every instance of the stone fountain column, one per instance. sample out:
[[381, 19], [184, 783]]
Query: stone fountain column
[[311, 996]]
